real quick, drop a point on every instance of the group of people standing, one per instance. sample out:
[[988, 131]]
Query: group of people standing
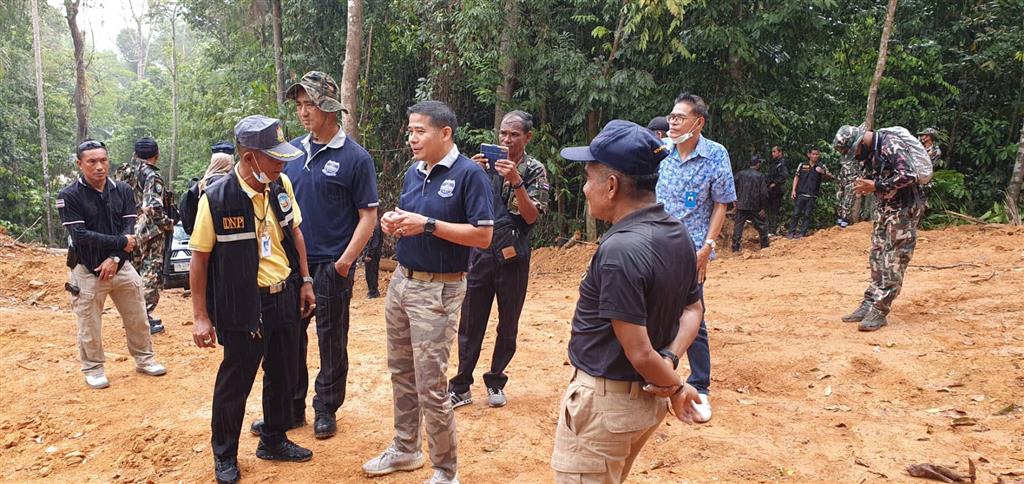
[[275, 238]]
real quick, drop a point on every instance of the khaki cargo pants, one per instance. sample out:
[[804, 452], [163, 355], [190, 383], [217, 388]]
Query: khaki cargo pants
[[602, 425], [422, 321], [125, 289]]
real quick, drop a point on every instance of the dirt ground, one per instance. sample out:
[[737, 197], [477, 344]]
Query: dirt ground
[[798, 395]]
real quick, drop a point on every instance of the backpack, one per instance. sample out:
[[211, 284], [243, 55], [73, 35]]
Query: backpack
[[188, 205], [921, 163]]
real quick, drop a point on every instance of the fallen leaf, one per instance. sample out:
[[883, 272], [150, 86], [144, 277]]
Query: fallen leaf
[[964, 421], [934, 472], [1013, 407], [978, 398], [747, 402]]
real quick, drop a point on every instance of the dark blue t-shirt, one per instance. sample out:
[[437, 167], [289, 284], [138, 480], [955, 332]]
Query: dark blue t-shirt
[[330, 188], [457, 194], [644, 272]]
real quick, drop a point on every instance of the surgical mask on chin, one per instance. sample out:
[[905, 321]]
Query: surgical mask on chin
[[684, 137], [260, 176]]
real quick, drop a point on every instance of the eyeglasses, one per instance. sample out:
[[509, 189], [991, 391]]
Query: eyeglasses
[[678, 118], [90, 144]]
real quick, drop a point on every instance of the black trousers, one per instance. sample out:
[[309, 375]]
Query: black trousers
[[486, 279], [773, 208], [803, 210], [741, 219], [372, 262], [274, 346], [333, 295]]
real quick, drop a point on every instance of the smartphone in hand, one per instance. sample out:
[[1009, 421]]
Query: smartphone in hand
[[493, 153]]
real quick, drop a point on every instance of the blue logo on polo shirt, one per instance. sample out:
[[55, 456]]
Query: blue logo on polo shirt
[[447, 188]]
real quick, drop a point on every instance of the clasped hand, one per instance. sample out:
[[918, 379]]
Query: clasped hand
[[399, 223]]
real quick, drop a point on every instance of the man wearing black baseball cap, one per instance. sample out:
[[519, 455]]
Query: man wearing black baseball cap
[[250, 284], [639, 308]]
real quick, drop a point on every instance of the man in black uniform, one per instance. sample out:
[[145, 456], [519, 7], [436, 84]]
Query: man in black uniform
[[751, 195], [639, 307], [99, 215], [371, 261], [777, 174], [806, 185], [249, 276]]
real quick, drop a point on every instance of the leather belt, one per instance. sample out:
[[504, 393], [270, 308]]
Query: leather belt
[[432, 276], [274, 288], [604, 385]]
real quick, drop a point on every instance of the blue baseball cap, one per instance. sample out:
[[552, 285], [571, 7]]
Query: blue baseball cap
[[265, 134], [624, 146], [223, 147]]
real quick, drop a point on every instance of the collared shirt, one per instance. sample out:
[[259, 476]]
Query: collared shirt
[[332, 183], [454, 190], [808, 179], [777, 173], [690, 188], [97, 221], [274, 268], [535, 178], [645, 273]]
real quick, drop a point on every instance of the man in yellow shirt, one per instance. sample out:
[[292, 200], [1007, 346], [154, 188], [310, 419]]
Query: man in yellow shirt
[[249, 281]]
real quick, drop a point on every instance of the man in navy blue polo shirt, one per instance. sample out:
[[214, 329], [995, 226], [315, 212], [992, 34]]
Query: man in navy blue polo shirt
[[445, 208], [639, 307], [335, 183]]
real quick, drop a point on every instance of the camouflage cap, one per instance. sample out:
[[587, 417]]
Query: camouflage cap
[[847, 137], [929, 131], [321, 89]]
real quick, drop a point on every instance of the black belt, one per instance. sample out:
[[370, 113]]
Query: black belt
[[274, 288]]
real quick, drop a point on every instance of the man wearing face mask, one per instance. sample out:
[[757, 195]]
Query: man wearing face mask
[[250, 286], [695, 184]]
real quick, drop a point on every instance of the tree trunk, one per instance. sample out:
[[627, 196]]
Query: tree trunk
[[40, 107], [883, 54], [81, 98], [507, 61], [350, 74], [143, 42], [366, 74], [174, 98], [278, 52], [593, 118], [1017, 178]]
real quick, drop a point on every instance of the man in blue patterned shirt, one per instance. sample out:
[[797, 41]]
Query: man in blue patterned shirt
[[695, 184]]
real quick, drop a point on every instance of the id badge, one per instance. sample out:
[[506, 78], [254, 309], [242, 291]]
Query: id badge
[[690, 199], [265, 245]]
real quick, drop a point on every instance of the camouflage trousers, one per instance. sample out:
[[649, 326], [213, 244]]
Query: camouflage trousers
[[151, 264], [422, 320], [844, 195], [893, 239]]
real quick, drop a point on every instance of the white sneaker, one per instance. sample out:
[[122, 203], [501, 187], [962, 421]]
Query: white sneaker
[[97, 381], [392, 460], [440, 477], [152, 369], [703, 408]]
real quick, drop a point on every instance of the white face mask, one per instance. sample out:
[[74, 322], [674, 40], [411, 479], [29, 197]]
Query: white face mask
[[685, 136], [260, 176]]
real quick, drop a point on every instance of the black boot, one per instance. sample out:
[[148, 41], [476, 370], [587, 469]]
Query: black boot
[[155, 325], [257, 426], [858, 314], [873, 321], [325, 425]]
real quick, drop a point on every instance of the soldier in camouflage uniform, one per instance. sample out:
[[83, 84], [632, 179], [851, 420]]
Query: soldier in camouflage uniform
[[929, 138], [849, 169], [152, 226], [900, 205]]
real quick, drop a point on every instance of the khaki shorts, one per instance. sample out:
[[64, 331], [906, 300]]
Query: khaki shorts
[[602, 425]]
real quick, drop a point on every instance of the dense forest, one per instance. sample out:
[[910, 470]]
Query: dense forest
[[786, 72]]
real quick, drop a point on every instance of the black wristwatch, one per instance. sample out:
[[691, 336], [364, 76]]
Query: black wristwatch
[[671, 356], [430, 226]]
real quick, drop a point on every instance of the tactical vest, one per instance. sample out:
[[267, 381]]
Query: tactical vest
[[232, 293]]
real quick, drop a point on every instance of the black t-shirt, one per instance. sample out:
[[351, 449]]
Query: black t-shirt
[[808, 179], [644, 272]]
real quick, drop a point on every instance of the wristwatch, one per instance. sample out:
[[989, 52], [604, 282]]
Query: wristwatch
[[116, 258], [671, 356], [710, 242], [519, 185], [307, 279], [428, 228]]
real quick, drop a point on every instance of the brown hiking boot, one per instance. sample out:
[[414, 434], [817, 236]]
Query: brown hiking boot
[[858, 314], [873, 321]]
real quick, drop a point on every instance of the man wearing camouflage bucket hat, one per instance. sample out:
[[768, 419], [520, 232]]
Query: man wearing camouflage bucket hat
[[335, 183], [886, 157]]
